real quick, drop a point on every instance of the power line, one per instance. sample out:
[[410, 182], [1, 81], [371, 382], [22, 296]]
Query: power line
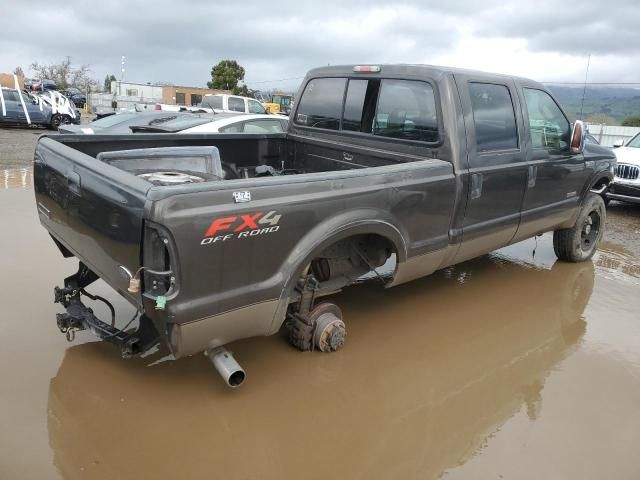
[[278, 80], [591, 83]]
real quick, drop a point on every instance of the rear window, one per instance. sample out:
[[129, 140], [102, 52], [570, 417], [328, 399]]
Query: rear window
[[321, 103], [493, 117], [212, 101]]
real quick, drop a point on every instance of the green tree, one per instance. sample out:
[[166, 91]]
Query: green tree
[[107, 82], [226, 75], [633, 121]]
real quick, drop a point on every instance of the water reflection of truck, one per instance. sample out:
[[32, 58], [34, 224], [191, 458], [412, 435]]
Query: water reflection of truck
[[429, 379]]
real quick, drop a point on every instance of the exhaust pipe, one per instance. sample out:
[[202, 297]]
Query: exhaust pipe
[[230, 370]]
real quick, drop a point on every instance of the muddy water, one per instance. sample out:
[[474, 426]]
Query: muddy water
[[509, 366]]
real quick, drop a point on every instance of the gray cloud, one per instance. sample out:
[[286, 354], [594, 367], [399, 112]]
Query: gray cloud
[[180, 41]]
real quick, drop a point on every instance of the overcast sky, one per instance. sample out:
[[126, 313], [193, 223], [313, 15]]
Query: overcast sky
[[179, 41]]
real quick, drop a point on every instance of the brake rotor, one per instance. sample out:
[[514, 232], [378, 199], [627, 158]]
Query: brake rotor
[[330, 330]]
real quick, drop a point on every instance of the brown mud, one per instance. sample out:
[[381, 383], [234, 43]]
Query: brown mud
[[512, 365]]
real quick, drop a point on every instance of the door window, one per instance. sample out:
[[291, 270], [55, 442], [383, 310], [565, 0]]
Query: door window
[[10, 95], [256, 107], [406, 109], [549, 127], [180, 98], [236, 104], [196, 99], [321, 103], [493, 117]]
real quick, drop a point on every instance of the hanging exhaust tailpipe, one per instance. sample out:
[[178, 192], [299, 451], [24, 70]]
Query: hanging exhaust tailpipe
[[230, 370]]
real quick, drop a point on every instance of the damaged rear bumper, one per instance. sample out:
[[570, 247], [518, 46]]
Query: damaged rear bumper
[[80, 317]]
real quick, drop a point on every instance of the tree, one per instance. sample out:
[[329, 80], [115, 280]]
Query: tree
[[226, 75], [600, 119], [632, 121], [65, 75], [244, 91], [107, 82]]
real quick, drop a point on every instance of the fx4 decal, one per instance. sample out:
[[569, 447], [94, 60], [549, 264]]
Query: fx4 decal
[[241, 226]]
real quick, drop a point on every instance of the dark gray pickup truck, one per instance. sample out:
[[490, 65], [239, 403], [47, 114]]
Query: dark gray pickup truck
[[215, 238]]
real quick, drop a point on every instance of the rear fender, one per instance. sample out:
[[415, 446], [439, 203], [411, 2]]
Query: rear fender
[[348, 224]]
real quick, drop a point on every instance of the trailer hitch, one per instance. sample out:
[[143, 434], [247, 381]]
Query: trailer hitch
[[80, 317]]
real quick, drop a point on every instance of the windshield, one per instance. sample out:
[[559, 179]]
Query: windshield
[[634, 142]]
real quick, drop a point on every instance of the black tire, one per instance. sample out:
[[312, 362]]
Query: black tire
[[56, 120], [580, 242]]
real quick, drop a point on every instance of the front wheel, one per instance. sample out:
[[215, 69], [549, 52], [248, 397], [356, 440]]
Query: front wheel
[[580, 242]]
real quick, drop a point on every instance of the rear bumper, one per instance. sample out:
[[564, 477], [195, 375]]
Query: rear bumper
[[79, 317]]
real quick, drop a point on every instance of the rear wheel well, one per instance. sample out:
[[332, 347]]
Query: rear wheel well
[[349, 259]]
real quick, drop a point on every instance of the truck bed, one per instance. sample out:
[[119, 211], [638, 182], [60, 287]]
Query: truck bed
[[234, 247]]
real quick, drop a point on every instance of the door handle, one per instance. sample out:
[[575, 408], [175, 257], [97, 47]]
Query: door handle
[[347, 156], [533, 174], [476, 186], [73, 182]]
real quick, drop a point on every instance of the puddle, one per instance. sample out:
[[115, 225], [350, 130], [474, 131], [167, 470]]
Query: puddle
[[511, 364]]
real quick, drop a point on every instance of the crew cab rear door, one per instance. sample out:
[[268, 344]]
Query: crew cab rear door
[[497, 165], [92, 209]]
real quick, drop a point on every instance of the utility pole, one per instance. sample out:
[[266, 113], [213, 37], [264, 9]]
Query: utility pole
[[121, 76]]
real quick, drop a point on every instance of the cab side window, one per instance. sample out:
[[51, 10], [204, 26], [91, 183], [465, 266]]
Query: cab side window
[[493, 117], [406, 109], [549, 128], [321, 103], [236, 104], [256, 107]]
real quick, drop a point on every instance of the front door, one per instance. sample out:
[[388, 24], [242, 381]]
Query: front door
[[497, 173], [556, 176]]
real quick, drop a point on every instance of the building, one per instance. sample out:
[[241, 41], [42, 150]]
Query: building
[[175, 95], [154, 93]]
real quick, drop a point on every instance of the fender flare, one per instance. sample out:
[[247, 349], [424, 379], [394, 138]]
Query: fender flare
[[334, 229]]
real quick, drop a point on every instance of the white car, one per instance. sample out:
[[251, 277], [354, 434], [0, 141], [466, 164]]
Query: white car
[[231, 103], [218, 123], [626, 182]]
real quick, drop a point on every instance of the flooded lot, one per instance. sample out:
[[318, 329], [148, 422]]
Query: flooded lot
[[510, 366]]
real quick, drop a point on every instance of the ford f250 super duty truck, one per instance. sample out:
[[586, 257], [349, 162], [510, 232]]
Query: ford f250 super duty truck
[[215, 238]]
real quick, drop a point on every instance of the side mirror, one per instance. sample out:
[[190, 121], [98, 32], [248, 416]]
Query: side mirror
[[578, 134], [618, 144]]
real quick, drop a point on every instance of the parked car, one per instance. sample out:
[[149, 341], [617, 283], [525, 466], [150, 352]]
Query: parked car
[[14, 111], [218, 123], [120, 123], [215, 238], [42, 85], [626, 182], [76, 96], [231, 103], [64, 110]]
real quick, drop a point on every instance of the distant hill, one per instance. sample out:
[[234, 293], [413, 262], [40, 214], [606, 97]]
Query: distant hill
[[615, 102]]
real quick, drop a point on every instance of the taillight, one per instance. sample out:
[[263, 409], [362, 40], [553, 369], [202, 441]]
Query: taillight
[[158, 107]]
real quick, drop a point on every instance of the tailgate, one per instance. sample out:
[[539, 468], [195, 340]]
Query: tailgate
[[93, 209]]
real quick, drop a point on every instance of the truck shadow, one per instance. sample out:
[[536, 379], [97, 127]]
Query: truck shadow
[[429, 371]]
